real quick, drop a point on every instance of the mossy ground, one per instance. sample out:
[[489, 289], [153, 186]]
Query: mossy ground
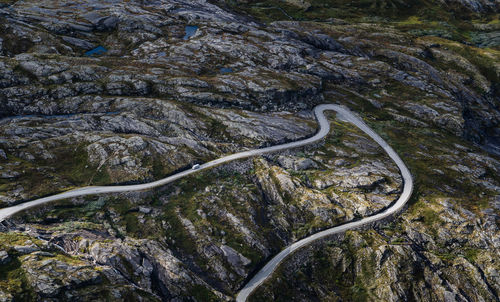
[[13, 281], [407, 141], [418, 17], [236, 192], [420, 148]]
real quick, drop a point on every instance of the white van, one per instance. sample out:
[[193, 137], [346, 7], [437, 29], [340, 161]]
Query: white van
[[195, 167]]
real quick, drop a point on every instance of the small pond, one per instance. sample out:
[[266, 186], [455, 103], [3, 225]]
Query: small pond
[[98, 51], [224, 70], [190, 31]]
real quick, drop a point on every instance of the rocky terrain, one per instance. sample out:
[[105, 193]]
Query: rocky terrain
[[109, 92]]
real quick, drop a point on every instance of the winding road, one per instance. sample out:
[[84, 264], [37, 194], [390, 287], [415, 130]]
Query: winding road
[[271, 266], [268, 269]]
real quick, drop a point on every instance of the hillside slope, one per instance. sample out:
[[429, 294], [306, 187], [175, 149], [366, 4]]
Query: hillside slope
[[106, 92]]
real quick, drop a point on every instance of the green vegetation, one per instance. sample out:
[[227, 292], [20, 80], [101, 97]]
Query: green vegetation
[[8, 240], [191, 200], [158, 168], [202, 294], [421, 18], [192, 213], [322, 10], [13, 280], [423, 149], [484, 60], [177, 234], [337, 133], [71, 168], [426, 215], [472, 254], [217, 129], [73, 165], [325, 275], [420, 148]]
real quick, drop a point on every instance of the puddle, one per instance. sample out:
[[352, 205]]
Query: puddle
[[190, 31], [99, 50], [226, 70]]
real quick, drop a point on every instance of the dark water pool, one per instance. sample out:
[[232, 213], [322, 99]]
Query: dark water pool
[[226, 70], [98, 51], [190, 31]]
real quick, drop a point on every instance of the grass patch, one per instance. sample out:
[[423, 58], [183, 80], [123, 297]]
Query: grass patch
[[73, 165], [357, 10], [202, 294], [13, 281], [472, 254]]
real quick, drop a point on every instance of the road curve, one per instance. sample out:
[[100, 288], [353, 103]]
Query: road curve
[[271, 266], [267, 270], [324, 128]]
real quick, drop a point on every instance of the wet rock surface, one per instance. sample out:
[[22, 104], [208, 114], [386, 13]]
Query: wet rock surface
[[155, 102]]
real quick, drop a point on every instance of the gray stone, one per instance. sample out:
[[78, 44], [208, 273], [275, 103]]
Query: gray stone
[[26, 249], [79, 42], [4, 257]]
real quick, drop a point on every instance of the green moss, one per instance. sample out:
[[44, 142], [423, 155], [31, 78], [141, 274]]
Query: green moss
[[13, 281], [202, 294], [337, 134], [412, 20], [94, 206], [360, 10], [71, 226], [398, 241], [71, 169], [177, 235], [485, 63], [471, 254], [132, 224], [429, 216], [74, 166], [359, 292], [12, 276], [302, 176], [158, 168], [68, 259], [446, 257], [323, 275], [10, 239]]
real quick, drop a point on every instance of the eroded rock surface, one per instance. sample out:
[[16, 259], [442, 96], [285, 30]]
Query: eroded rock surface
[[107, 92]]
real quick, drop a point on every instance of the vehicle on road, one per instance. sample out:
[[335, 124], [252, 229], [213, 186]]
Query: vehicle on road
[[270, 267]]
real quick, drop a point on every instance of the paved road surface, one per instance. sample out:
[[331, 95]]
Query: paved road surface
[[324, 129], [267, 270]]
